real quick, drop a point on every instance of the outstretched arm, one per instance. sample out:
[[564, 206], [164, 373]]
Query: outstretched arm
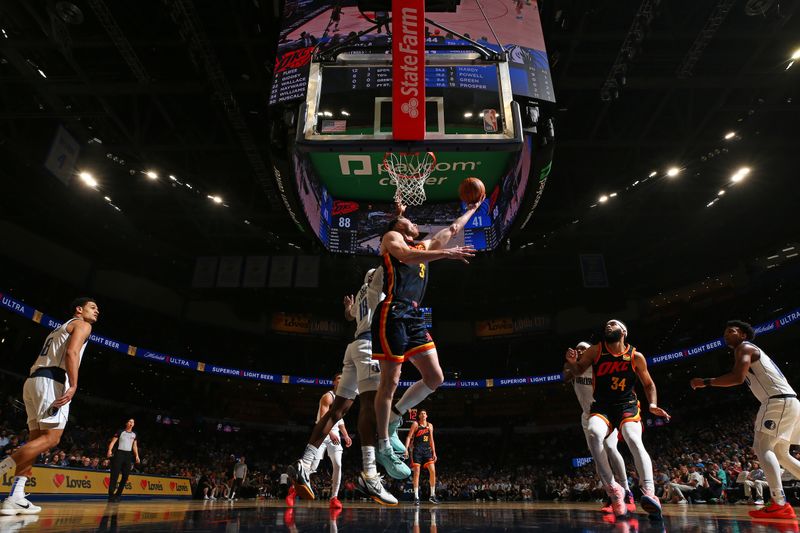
[[443, 237], [348, 303], [640, 367], [394, 244], [574, 365], [743, 357]]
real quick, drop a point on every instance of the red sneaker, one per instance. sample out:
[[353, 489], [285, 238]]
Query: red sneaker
[[784, 511], [617, 495], [288, 518], [335, 503], [290, 497], [607, 509]]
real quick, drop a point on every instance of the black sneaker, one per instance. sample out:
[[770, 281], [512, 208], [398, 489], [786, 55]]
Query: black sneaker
[[433, 499]]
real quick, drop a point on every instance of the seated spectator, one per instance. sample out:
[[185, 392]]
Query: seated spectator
[[756, 479], [689, 483]]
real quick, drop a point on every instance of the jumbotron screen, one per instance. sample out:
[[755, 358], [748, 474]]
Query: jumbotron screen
[[310, 24]]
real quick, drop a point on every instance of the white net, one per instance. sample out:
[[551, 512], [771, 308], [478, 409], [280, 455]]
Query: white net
[[408, 172]]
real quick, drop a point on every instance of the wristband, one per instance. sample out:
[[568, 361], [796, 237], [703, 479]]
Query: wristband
[[707, 382], [653, 405]]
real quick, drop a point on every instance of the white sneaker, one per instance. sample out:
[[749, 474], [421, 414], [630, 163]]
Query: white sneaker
[[17, 506], [373, 487], [683, 502], [758, 502]]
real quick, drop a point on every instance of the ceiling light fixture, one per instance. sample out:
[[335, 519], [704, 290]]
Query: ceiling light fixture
[[88, 179], [740, 174], [730, 135], [673, 171], [603, 199], [152, 175]]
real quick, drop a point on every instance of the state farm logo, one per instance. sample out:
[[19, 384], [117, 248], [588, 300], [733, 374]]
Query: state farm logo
[[411, 108]]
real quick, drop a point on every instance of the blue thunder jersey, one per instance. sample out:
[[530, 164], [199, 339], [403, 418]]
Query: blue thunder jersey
[[403, 282]]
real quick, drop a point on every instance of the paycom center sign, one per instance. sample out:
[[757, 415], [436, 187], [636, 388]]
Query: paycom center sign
[[362, 176]]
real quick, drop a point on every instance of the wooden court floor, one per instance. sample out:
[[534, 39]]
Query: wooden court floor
[[250, 515]]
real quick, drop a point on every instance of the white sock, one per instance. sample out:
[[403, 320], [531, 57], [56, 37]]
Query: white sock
[[368, 460], [308, 455], [416, 492], [383, 444], [7, 464], [778, 496], [413, 396], [18, 487]]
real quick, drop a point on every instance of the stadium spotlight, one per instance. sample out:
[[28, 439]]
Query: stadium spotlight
[[721, 192], [88, 179], [653, 174], [603, 199], [152, 175], [215, 199], [730, 135], [673, 171], [740, 174]]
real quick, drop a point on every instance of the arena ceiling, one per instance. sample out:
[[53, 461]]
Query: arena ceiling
[[180, 88]]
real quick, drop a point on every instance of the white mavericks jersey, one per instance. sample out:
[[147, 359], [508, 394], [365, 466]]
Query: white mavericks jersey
[[335, 427], [368, 298], [584, 390], [54, 350], [765, 379]]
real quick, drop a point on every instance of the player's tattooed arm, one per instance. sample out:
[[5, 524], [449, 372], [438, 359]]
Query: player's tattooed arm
[[640, 367], [578, 365]]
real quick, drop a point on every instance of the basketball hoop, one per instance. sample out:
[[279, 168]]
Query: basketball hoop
[[408, 172]]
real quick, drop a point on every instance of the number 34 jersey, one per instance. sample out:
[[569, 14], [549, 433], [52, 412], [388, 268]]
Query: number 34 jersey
[[614, 376]]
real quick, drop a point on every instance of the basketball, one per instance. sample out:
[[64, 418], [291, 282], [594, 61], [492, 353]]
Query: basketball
[[471, 190]]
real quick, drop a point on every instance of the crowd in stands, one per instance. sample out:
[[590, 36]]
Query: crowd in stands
[[696, 459]]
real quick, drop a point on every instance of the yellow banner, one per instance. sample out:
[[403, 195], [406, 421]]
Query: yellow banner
[[494, 327], [74, 481], [291, 323]]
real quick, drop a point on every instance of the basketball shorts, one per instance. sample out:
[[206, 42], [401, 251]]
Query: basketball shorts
[[615, 415], [359, 372], [421, 457], [39, 393], [780, 418], [399, 333]]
